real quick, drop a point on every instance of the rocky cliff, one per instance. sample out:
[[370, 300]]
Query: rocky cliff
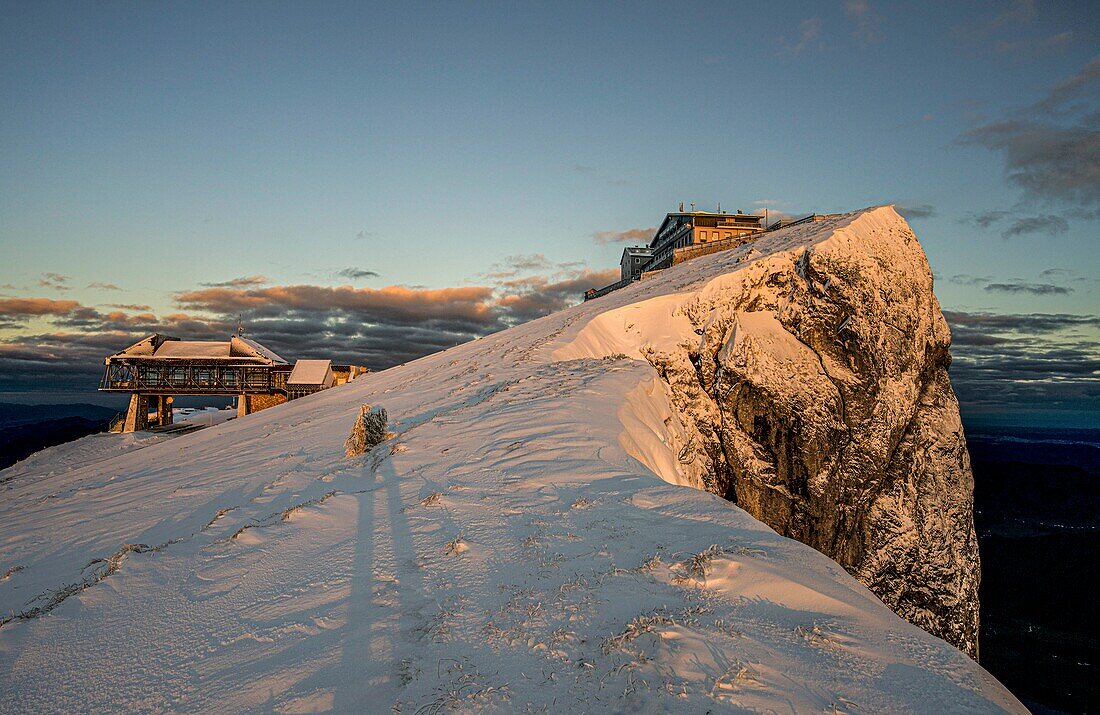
[[809, 377]]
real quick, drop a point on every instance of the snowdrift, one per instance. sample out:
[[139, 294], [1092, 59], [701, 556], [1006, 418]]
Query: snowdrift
[[530, 539]]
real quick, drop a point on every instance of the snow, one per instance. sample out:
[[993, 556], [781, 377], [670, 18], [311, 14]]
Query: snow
[[246, 346], [192, 349], [309, 372], [524, 542], [207, 417]]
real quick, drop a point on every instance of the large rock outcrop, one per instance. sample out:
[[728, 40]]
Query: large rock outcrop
[[811, 384]]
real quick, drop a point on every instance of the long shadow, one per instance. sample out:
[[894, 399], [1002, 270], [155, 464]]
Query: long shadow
[[353, 692], [356, 653]]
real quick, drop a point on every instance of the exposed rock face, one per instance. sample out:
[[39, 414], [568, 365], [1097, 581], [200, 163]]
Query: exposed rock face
[[815, 389]]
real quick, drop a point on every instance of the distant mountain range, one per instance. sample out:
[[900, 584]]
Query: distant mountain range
[[25, 429]]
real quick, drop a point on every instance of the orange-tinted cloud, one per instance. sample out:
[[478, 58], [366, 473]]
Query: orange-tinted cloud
[[631, 235], [24, 307], [389, 304], [241, 282]]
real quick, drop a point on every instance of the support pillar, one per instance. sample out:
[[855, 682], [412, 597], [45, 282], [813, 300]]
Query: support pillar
[[164, 410], [242, 405], [137, 414]]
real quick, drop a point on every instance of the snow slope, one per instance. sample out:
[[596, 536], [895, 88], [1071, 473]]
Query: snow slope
[[523, 543]]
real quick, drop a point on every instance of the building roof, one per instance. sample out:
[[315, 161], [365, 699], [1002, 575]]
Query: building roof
[[735, 220], [192, 349], [166, 347], [715, 214], [243, 346], [309, 372]]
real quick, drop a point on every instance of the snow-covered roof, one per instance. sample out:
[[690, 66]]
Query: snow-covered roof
[[310, 372], [159, 346], [246, 346], [192, 349], [145, 346]]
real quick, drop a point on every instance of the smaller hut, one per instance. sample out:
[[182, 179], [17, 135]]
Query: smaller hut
[[309, 376]]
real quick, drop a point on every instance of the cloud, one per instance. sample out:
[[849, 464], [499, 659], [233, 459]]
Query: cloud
[[968, 280], [808, 32], [866, 20], [356, 273], [1016, 361], [103, 286], [129, 306], [392, 304], [1020, 225], [1024, 287], [55, 281], [528, 262], [1069, 89], [985, 219], [374, 327], [915, 211], [1046, 161], [1015, 285], [1051, 149], [240, 282], [524, 299], [770, 207], [1026, 323], [630, 235], [513, 266], [26, 307], [1027, 225], [1010, 361]]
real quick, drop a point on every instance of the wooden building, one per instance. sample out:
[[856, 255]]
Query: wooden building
[[309, 376], [158, 367]]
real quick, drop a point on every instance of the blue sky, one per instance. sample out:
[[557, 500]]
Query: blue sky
[[152, 148]]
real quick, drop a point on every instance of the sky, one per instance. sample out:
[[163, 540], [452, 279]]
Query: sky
[[375, 182]]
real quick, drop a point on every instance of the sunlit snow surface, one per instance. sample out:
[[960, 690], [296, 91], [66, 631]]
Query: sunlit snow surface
[[513, 548]]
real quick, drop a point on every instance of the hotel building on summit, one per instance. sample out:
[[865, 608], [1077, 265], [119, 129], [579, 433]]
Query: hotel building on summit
[[684, 235], [694, 228]]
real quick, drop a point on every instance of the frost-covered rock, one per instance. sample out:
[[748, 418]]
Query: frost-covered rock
[[368, 432], [813, 379]]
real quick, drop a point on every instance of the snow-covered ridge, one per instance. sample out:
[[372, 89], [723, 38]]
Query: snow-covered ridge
[[810, 382], [517, 546]]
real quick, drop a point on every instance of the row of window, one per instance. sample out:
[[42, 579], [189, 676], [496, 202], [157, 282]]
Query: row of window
[[714, 235]]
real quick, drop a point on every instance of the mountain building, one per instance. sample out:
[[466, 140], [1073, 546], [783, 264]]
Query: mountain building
[[309, 376], [634, 257], [158, 367], [693, 228]]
